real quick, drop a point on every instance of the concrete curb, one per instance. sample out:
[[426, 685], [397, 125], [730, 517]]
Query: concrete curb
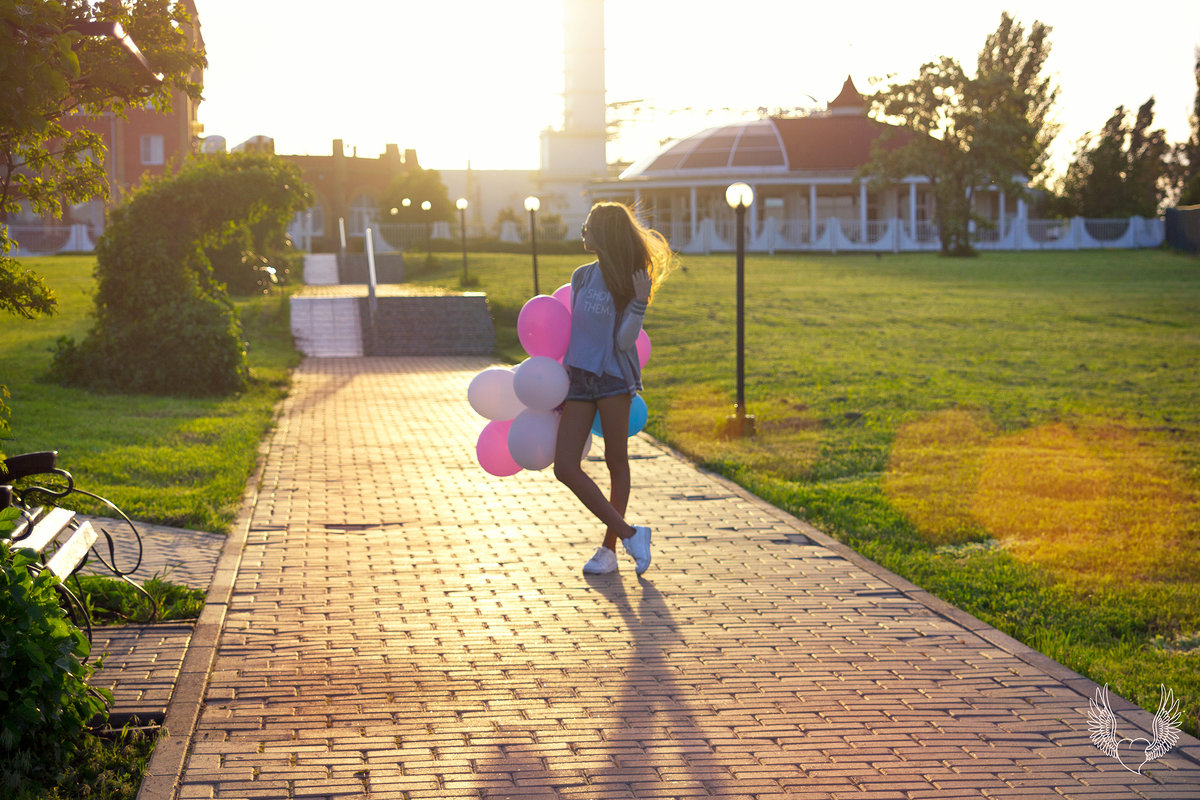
[[1188, 746], [163, 773]]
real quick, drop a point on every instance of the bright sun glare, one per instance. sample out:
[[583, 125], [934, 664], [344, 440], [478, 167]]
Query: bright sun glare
[[478, 80]]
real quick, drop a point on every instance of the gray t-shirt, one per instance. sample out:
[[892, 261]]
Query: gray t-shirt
[[598, 344]]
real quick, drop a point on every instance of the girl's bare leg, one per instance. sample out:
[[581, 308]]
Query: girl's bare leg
[[614, 423], [573, 429]]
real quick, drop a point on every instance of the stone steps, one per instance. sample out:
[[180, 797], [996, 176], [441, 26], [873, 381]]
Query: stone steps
[[327, 327], [320, 269], [330, 320]]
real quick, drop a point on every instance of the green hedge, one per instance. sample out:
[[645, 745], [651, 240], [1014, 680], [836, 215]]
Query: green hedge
[[164, 322]]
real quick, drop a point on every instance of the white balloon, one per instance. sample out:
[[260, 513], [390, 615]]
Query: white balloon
[[532, 437], [540, 383], [491, 394]]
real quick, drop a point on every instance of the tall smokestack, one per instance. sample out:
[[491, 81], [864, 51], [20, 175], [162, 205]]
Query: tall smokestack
[[583, 74]]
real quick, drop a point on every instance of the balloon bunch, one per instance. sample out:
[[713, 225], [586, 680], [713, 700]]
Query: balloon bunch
[[522, 402]]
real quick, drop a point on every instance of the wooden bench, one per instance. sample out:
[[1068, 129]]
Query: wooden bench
[[34, 484]]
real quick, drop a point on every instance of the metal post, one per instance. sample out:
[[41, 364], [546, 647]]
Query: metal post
[[533, 244], [462, 222], [372, 305], [741, 301]]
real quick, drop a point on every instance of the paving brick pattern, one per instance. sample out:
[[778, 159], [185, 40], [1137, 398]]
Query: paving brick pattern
[[140, 667], [404, 625], [177, 555]]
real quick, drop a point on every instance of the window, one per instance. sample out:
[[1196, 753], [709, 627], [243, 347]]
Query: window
[[152, 148]]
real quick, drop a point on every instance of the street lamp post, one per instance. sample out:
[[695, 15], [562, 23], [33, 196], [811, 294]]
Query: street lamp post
[[425, 206], [461, 204], [532, 204], [739, 196]]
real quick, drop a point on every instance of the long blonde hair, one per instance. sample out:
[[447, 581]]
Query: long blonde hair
[[623, 246]]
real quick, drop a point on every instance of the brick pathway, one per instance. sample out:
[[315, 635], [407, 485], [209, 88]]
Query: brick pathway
[[177, 555], [141, 663], [403, 625], [140, 667]]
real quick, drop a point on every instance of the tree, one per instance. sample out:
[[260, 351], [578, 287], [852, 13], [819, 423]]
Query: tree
[[50, 67], [1189, 152], [417, 185], [53, 65], [163, 323], [1121, 171], [992, 128]]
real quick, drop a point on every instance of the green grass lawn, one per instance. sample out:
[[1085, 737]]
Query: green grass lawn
[[174, 461], [1018, 433]]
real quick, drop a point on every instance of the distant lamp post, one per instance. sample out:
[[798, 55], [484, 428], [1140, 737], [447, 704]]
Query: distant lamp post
[[739, 196], [461, 204], [532, 204]]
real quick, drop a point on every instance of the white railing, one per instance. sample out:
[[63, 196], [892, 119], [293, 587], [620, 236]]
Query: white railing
[[709, 235], [836, 235], [44, 240]]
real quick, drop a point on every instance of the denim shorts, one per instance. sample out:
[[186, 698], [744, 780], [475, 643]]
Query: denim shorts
[[584, 385]]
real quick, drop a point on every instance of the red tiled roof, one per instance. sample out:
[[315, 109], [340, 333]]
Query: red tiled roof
[[824, 143], [849, 97], [833, 142]]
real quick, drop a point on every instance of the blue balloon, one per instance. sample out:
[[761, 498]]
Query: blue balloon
[[638, 415]]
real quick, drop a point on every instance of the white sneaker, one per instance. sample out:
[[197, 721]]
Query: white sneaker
[[602, 563], [638, 546]]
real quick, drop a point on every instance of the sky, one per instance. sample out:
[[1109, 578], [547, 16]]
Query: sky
[[478, 80]]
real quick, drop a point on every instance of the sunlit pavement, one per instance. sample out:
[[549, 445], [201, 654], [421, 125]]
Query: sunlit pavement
[[402, 624]]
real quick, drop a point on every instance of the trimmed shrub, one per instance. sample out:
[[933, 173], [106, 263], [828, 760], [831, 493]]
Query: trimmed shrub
[[164, 323]]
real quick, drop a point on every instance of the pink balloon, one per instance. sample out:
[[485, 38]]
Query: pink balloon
[[544, 327], [643, 348], [492, 450], [563, 295]]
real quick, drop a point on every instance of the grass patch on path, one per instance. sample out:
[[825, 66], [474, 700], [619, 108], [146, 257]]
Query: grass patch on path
[[1018, 433]]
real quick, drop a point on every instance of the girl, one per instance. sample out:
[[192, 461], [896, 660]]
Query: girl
[[608, 302]]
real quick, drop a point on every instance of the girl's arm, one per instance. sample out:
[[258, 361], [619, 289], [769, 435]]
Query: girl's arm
[[635, 312]]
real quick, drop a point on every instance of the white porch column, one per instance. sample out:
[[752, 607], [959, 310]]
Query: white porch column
[[812, 213], [912, 210], [692, 211], [1001, 226], [862, 212], [753, 232]]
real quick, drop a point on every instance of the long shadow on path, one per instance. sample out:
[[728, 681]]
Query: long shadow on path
[[655, 741]]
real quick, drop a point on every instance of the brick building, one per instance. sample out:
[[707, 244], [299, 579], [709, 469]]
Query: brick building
[[349, 187]]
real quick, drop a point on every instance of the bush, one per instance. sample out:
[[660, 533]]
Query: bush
[[164, 322], [45, 702]]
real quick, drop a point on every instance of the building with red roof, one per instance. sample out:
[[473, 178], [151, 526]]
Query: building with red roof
[[803, 171]]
